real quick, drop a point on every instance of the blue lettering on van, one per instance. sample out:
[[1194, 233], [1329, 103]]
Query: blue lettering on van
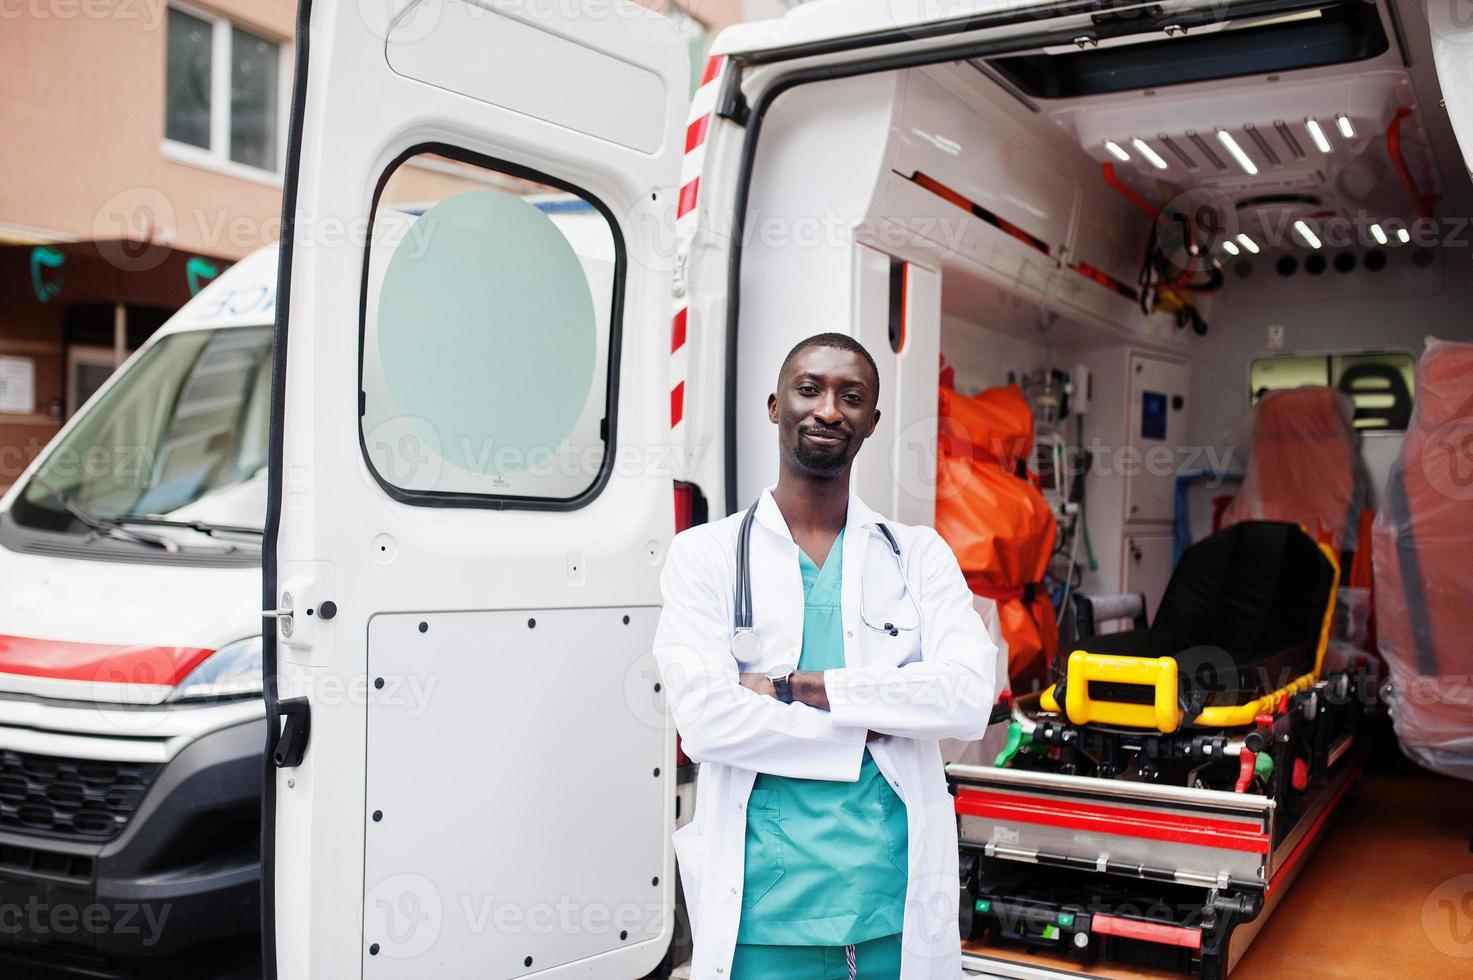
[[238, 302]]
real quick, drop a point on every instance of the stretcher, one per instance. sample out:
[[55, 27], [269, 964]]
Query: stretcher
[[1152, 804]]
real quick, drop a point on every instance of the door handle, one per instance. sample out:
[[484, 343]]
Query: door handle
[[291, 744]]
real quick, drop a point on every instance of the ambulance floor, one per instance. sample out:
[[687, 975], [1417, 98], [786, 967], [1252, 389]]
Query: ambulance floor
[[1388, 892]]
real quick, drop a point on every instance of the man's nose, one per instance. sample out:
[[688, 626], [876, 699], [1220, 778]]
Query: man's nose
[[827, 409]]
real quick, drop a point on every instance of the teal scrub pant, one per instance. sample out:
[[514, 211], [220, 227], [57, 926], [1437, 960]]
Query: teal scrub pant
[[878, 959]]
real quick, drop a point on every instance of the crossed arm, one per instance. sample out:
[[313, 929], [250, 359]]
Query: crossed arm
[[731, 718]]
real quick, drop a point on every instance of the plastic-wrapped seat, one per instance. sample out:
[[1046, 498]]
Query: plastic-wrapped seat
[[1303, 465], [1422, 541], [1244, 621]]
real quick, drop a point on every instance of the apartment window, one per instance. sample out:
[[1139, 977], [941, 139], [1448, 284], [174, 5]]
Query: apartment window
[[1380, 385], [224, 93]]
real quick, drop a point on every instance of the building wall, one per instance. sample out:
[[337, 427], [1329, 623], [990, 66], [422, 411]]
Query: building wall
[[84, 158], [83, 115]]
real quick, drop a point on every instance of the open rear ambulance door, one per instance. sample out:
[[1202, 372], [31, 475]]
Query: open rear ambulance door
[[469, 494]]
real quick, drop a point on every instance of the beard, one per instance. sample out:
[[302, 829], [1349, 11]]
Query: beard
[[824, 460]]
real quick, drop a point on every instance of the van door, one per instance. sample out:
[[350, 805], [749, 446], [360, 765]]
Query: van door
[[469, 493]]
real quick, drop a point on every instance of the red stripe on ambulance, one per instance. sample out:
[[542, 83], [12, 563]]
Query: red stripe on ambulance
[[101, 663]]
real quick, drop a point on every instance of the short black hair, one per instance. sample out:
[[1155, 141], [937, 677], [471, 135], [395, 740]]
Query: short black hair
[[838, 341]]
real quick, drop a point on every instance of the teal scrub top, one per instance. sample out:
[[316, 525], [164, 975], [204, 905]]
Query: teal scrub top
[[825, 861]]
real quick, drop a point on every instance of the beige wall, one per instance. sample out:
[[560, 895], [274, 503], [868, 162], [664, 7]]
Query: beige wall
[[83, 123], [83, 116], [82, 156]]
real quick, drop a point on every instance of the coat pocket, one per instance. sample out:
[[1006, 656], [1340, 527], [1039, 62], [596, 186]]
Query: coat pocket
[[897, 833], [690, 860], [883, 649], [763, 862]]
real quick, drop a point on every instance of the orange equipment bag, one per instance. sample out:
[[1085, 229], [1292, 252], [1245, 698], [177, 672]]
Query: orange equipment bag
[[997, 522]]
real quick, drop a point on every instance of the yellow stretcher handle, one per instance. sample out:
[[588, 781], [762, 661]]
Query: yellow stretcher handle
[[1158, 673]]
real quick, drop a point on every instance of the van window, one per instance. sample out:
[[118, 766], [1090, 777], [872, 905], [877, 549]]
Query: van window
[[185, 426], [491, 309], [1379, 384]]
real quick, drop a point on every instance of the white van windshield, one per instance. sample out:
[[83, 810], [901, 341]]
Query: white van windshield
[[181, 437]]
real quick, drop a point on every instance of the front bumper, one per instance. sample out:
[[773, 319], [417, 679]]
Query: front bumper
[[184, 873]]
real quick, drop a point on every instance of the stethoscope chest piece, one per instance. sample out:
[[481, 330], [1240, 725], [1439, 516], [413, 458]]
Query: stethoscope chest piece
[[746, 645]]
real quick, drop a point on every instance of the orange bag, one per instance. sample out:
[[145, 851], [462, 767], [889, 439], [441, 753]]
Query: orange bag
[[997, 522]]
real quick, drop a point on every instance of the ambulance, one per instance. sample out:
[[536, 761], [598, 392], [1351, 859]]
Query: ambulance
[[482, 431]]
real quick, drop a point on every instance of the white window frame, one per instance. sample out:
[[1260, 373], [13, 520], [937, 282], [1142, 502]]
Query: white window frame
[[217, 156]]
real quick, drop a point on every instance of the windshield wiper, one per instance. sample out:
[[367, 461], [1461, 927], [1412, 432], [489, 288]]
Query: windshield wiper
[[203, 527], [102, 525]]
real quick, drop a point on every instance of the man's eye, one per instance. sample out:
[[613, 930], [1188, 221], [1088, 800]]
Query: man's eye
[[807, 390]]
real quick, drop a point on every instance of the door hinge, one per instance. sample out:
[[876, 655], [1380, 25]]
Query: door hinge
[[283, 615]]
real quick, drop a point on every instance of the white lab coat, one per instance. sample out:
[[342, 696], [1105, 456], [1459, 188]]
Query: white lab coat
[[916, 688]]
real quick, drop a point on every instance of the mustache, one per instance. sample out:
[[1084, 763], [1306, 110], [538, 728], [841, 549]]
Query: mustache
[[825, 430]]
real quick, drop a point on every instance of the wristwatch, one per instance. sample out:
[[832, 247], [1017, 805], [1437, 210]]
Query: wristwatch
[[779, 677]]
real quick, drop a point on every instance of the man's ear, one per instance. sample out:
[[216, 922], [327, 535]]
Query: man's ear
[[772, 408], [873, 424]]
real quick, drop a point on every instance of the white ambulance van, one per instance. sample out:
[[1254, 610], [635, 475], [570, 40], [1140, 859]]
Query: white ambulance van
[[474, 431], [473, 448], [131, 713], [131, 720]]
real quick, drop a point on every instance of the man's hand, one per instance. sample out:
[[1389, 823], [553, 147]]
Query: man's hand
[[806, 684], [759, 683]]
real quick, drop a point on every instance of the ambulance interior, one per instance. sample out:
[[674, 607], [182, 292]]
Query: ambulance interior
[[1130, 297]]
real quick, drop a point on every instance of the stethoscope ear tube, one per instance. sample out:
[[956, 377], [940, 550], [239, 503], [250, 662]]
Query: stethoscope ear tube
[[742, 604], [742, 618]]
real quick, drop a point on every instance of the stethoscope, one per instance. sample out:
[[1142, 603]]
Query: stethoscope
[[746, 645]]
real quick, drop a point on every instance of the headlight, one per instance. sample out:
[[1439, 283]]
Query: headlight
[[232, 671]]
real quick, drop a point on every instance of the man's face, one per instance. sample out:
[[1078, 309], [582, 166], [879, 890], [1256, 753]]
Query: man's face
[[824, 408]]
